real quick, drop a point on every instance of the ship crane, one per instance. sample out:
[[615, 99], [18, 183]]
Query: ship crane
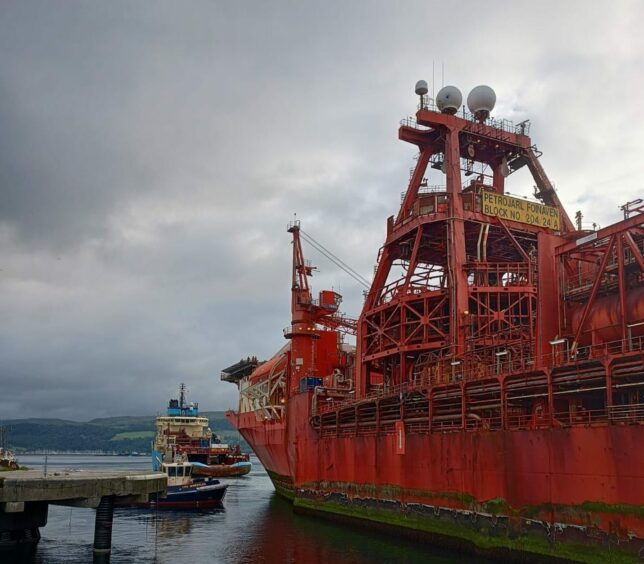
[[301, 269], [315, 348], [324, 310]]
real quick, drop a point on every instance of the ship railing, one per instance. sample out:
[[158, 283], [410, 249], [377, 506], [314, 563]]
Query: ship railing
[[390, 291], [435, 201], [580, 416], [192, 450], [432, 189], [308, 301], [503, 275], [427, 189], [618, 414], [563, 354], [421, 427], [472, 372], [580, 290], [506, 275], [626, 413], [411, 122], [380, 392], [610, 348], [506, 125], [291, 330], [427, 103], [394, 289]]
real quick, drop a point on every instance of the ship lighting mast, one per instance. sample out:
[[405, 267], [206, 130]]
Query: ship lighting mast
[[468, 256]]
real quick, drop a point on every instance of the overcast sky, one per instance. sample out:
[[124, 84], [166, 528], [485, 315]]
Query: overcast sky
[[152, 153]]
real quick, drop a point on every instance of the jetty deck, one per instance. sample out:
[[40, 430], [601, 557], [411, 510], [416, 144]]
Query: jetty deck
[[25, 496]]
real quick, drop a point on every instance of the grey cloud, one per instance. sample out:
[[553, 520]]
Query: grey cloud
[[151, 155]]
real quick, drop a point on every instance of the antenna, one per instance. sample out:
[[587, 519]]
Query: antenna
[[449, 99], [421, 90], [442, 74], [433, 80], [480, 102]]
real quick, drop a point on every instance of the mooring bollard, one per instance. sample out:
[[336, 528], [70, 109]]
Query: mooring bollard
[[103, 526]]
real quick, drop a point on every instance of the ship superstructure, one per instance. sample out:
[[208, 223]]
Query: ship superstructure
[[496, 392], [183, 434]]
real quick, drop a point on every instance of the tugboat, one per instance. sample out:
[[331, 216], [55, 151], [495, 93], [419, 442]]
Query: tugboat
[[186, 492], [183, 432]]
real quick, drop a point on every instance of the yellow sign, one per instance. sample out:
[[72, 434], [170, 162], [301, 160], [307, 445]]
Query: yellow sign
[[523, 211]]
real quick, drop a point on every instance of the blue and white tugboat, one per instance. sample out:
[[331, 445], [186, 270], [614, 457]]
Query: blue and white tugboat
[[186, 492]]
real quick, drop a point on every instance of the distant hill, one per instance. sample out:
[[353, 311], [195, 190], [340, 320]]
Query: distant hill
[[120, 434]]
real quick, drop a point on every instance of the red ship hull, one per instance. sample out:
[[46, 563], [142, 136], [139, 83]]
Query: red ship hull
[[526, 484]]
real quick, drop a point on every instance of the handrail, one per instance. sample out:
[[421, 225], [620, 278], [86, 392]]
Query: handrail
[[559, 359], [505, 125]]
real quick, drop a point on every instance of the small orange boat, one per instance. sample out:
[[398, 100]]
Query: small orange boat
[[222, 470]]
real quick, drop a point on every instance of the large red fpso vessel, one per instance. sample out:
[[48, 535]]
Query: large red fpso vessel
[[494, 400]]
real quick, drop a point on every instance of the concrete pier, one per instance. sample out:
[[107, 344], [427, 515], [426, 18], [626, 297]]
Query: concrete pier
[[25, 496]]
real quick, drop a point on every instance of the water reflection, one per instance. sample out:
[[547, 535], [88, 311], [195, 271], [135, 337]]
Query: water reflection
[[280, 535], [167, 525], [256, 526]]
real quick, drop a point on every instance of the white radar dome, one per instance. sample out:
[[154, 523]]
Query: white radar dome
[[421, 88], [481, 101], [449, 99]]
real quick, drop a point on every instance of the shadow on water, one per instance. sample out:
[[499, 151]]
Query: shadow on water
[[275, 534], [164, 525], [280, 535]]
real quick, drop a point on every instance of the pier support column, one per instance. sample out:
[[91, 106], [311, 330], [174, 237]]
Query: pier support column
[[103, 526], [19, 523]]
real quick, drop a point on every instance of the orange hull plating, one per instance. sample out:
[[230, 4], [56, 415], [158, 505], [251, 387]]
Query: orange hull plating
[[586, 477], [525, 468]]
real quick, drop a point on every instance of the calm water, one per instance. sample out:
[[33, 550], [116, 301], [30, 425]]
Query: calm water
[[255, 526]]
